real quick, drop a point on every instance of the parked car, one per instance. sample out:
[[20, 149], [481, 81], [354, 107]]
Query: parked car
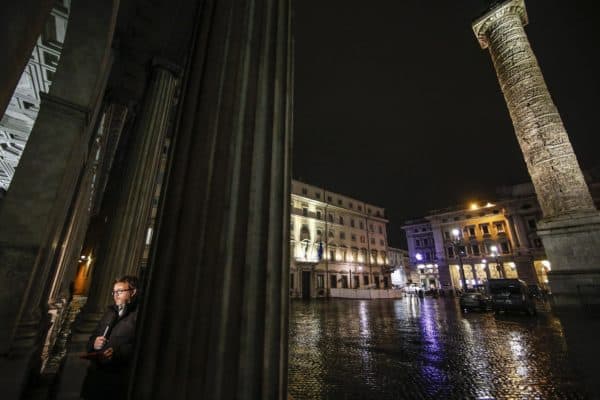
[[475, 299], [511, 295]]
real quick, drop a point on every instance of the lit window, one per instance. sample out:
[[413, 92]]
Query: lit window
[[320, 281]]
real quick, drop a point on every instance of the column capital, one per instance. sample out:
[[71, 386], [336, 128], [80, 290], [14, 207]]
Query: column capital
[[162, 63], [481, 24]]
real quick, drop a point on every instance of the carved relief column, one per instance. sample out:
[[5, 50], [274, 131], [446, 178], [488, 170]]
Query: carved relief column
[[570, 229]]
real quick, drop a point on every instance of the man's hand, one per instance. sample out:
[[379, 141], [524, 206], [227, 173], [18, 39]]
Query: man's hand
[[99, 342], [108, 353]]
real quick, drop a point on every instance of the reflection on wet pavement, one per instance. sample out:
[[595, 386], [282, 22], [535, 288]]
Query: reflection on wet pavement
[[424, 349]]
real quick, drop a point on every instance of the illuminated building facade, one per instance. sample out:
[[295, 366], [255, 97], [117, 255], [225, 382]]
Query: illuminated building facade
[[467, 246], [335, 242], [483, 241], [423, 263]]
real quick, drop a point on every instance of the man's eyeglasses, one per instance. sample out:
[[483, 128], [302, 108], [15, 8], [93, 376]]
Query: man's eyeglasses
[[120, 291]]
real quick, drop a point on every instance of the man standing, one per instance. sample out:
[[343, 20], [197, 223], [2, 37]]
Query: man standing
[[111, 345]]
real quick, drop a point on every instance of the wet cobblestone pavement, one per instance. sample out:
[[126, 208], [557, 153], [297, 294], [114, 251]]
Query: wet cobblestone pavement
[[425, 349]]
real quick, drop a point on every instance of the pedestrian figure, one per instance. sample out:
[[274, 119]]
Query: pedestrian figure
[[111, 344]]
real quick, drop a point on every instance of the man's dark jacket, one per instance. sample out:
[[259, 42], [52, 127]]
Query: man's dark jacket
[[107, 379]]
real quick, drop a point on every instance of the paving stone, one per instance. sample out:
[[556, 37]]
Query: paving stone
[[425, 349]]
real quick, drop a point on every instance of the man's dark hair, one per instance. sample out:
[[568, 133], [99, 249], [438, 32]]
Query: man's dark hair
[[131, 280]]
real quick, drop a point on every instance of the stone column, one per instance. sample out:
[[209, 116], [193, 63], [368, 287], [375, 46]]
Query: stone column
[[550, 159], [514, 237], [21, 23], [100, 154], [526, 270], [34, 212], [127, 230], [214, 323], [124, 235], [115, 117], [109, 130], [521, 232], [570, 229]]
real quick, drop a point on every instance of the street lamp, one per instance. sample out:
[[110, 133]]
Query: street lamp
[[456, 245], [420, 266], [499, 266]]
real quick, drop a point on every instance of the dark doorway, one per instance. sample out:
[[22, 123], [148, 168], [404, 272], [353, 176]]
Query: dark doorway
[[333, 279], [345, 281], [306, 284]]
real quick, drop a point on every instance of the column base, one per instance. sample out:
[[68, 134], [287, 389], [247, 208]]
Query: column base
[[572, 244], [526, 270], [74, 369]]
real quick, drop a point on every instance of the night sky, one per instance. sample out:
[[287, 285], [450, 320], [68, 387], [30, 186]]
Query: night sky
[[397, 105]]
